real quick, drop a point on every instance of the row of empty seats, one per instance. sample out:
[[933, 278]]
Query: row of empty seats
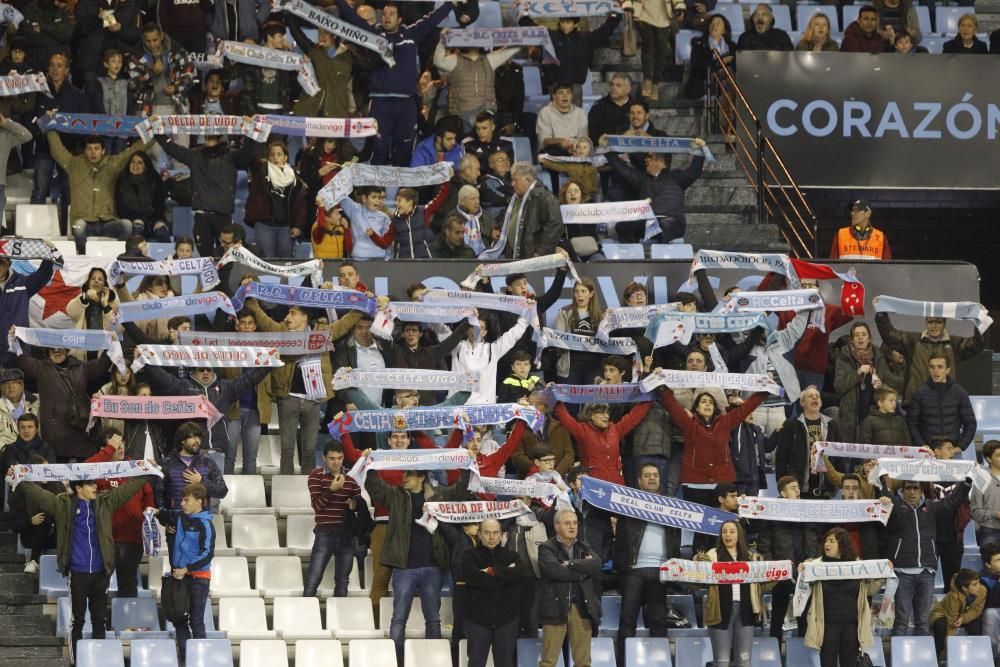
[[639, 652]]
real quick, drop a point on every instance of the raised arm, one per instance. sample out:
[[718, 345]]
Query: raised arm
[[633, 418]]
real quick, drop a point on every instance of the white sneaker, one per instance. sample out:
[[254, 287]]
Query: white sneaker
[[31, 567]]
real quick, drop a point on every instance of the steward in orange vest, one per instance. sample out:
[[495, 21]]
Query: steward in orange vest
[[860, 240]]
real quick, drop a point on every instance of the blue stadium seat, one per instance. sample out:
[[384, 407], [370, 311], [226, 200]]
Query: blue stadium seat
[[602, 652], [160, 250], [623, 250], [987, 409], [765, 652], [209, 653], [64, 619], [684, 605], [693, 651], [611, 610], [972, 561], [489, 15], [51, 582], [877, 653], [924, 19], [804, 12], [850, 15], [136, 618], [734, 14], [964, 651], [99, 653], [946, 19], [796, 653], [913, 652], [671, 251], [647, 652], [522, 149], [182, 221], [528, 651], [682, 46], [782, 17], [154, 653]]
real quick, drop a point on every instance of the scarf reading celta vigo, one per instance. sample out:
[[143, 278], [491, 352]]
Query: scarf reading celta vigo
[[72, 339], [153, 407], [356, 174], [15, 247], [339, 28], [69, 472], [203, 125], [822, 570], [653, 507], [405, 378], [22, 84], [171, 306], [498, 38], [288, 343], [709, 573], [612, 211], [195, 356], [417, 459], [425, 313], [853, 450], [312, 267], [543, 263], [678, 327], [827, 511], [621, 143], [430, 418], [473, 511], [339, 128], [694, 379], [954, 310], [930, 470], [203, 267], [261, 56], [569, 8], [309, 297]]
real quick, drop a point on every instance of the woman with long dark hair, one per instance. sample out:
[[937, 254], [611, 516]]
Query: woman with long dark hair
[[277, 204], [94, 307], [855, 379], [839, 618], [732, 611], [580, 317]]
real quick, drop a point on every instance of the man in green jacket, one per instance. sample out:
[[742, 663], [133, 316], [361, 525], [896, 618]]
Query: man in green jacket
[[85, 545], [416, 555], [92, 178]]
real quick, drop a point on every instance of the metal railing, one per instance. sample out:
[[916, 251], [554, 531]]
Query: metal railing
[[779, 199]]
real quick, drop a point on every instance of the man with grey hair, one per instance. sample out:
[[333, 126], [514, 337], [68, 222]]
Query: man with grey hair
[[493, 576], [792, 455], [478, 222], [609, 115], [763, 36], [532, 224], [569, 599]]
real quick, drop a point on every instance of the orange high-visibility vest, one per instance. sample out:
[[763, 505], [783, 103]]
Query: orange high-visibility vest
[[850, 248]]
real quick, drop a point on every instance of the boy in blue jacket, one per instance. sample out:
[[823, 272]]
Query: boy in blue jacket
[[191, 538]]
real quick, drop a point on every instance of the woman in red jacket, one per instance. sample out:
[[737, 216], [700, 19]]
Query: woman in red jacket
[[706, 460]]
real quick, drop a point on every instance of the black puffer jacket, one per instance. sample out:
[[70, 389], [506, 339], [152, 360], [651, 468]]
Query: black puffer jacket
[[560, 574], [213, 172], [913, 530], [879, 428], [666, 190], [941, 410]]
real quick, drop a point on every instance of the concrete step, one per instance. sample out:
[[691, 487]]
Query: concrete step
[[700, 194], [36, 661], [18, 583], [36, 625], [24, 648]]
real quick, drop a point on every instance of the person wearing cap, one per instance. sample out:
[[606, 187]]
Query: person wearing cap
[[860, 240], [85, 550], [14, 402], [663, 186]]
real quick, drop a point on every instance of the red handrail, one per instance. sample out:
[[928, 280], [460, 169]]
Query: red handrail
[[779, 199]]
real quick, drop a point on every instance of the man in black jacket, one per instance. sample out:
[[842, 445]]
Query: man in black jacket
[[575, 51], [763, 36], [912, 534], [535, 220], [493, 576], [640, 548], [569, 600], [610, 114], [940, 408], [663, 186], [793, 454]]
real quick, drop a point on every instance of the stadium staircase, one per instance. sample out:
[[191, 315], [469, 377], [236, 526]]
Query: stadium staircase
[[27, 635], [721, 206]]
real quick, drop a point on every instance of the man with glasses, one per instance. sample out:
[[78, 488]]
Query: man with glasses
[[569, 597]]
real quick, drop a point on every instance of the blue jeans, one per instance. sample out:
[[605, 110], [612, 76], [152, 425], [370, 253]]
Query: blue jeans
[[119, 229], [273, 240], [406, 584], [42, 184], [913, 603], [736, 640], [397, 129], [328, 544], [247, 429], [194, 628]]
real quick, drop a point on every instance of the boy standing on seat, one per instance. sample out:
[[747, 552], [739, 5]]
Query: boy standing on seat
[[191, 537]]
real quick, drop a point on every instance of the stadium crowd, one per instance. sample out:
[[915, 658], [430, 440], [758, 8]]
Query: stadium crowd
[[668, 418]]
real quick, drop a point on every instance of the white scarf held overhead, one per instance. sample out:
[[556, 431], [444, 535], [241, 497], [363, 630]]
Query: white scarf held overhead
[[203, 355], [930, 470], [313, 267], [828, 511], [543, 263], [865, 451], [405, 378], [417, 459], [474, 511], [261, 56], [695, 379]]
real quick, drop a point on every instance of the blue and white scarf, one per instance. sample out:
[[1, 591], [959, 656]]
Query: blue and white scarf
[[21, 84], [473, 511], [425, 313], [430, 418], [311, 268], [204, 125], [653, 507], [16, 247], [105, 125], [766, 262], [203, 267], [308, 297], [621, 143], [342, 29], [931, 470], [570, 8], [73, 339], [695, 379], [172, 306], [953, 310], [612, 211], [195, 356], [150, 533], [564, 340], [631, 317], [597, 393], [417, 459], [70, 472], [679, 327], [518, 305], [781, 300], [498, 38], [303, 126], [356, 174], [530, 265], [405, 378], [261, 56], [811, 511]]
